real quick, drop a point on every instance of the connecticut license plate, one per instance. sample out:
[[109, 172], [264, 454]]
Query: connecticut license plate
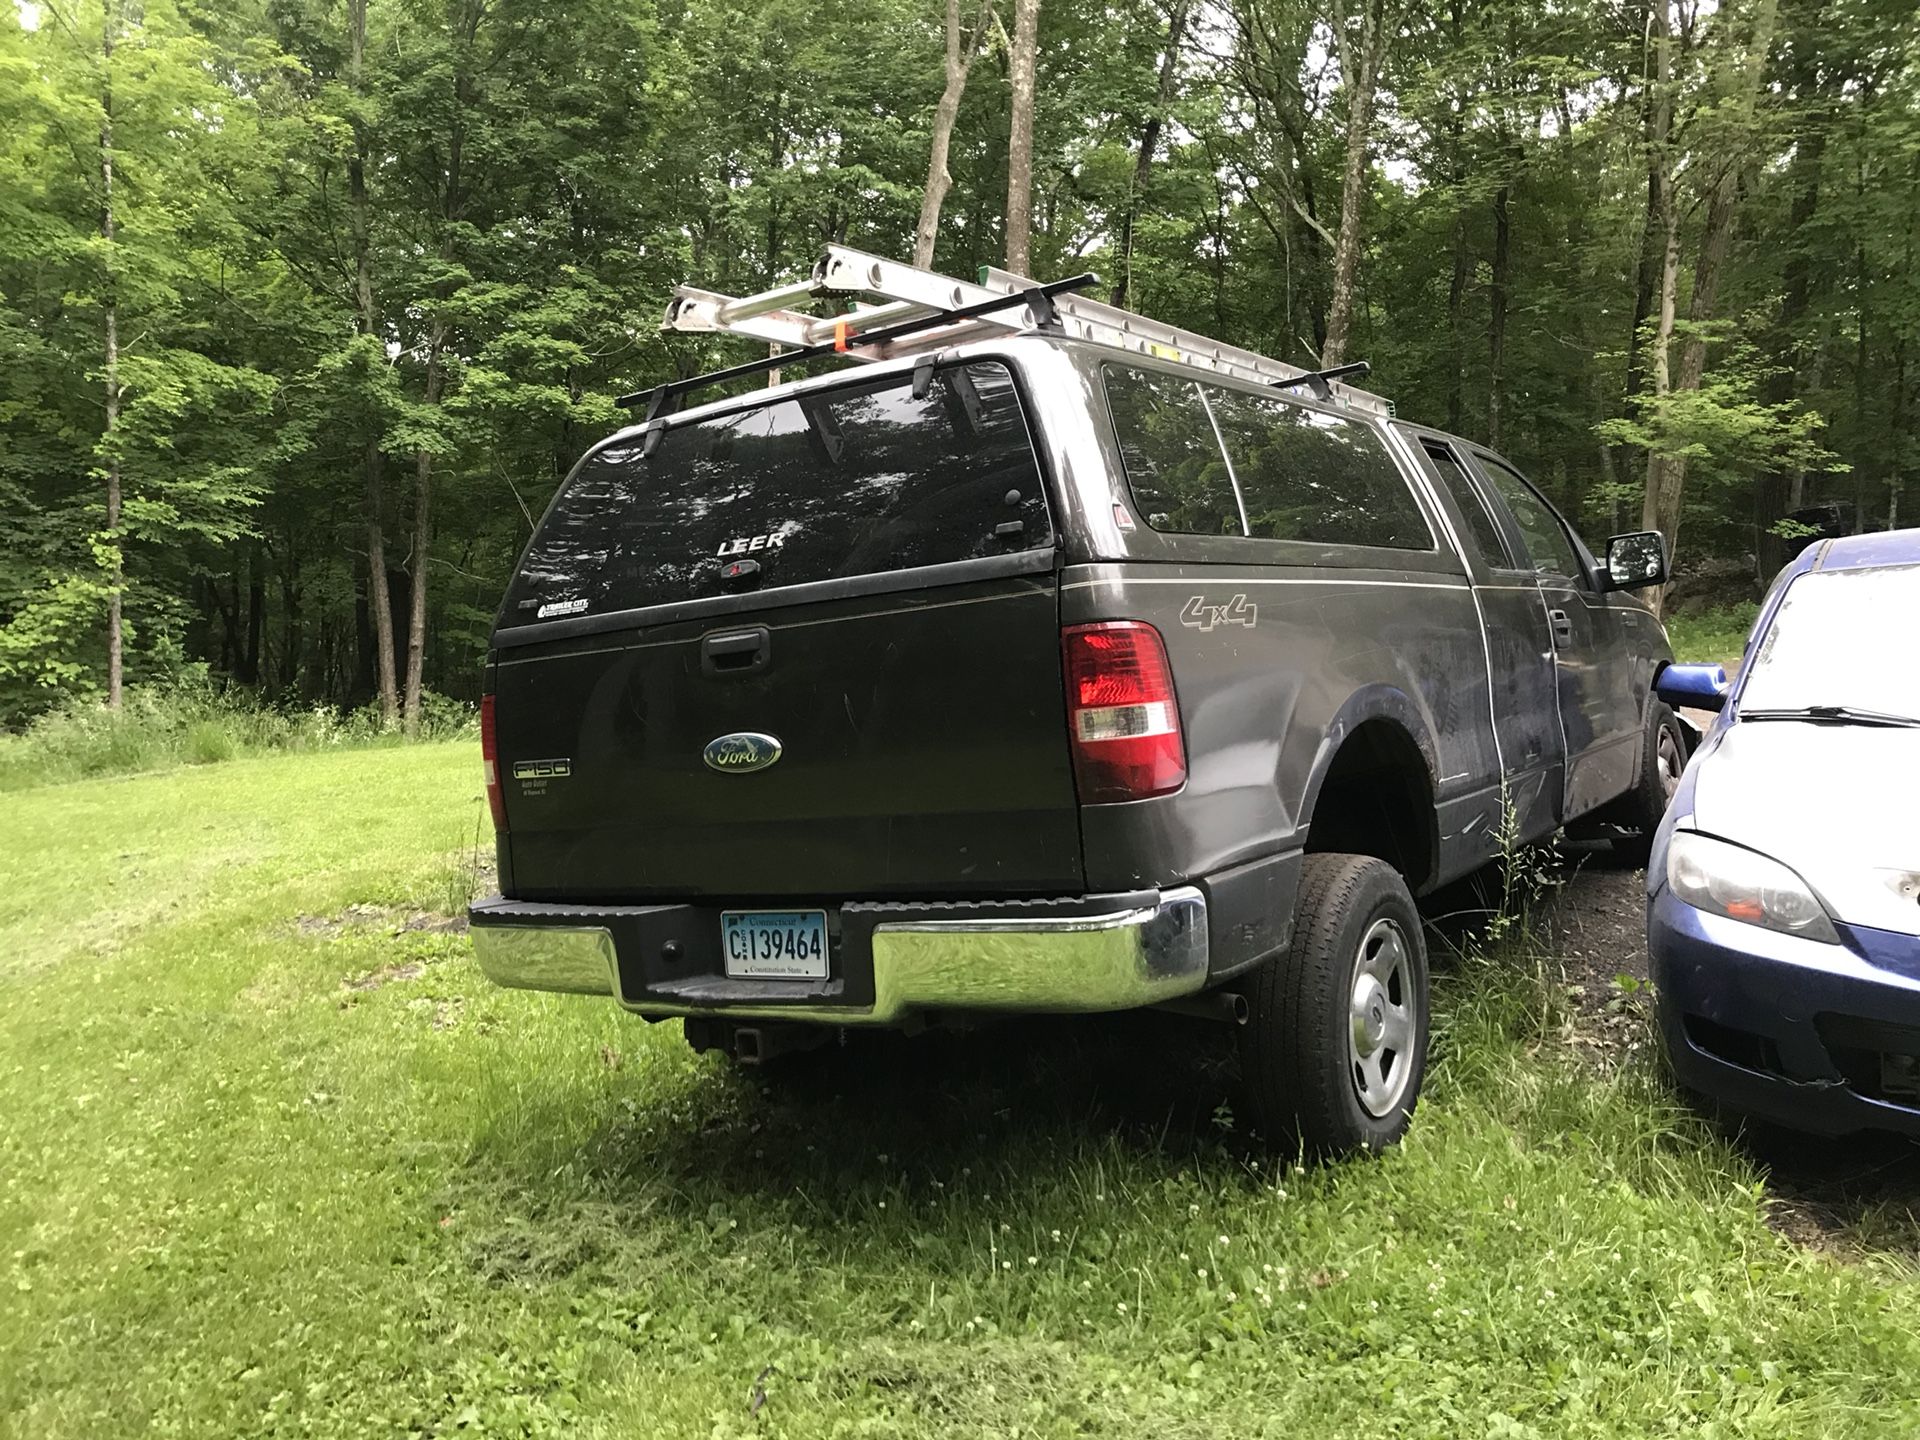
[[774, 944]]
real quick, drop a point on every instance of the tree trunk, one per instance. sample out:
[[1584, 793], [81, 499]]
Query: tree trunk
[[1497, 317], [379, 603], [1359, 62], [1655, 506], [248, 669], [116, 571], [1783, 490], [1814, 378], [1456, 302], [1026, 42], [960, 53], [1149, 142], [1661, 508], [452, 209], [1663, 501], [422, 538], [1897, 434], [292, 631]]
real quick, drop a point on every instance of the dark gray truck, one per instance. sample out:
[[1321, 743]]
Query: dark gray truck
[[1054, 661]]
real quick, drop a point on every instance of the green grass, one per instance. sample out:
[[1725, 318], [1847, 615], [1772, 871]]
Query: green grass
[[194, 722], [1712, 635], [275, 1166]]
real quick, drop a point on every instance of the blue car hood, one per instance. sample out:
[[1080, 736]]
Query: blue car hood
[[1840, 804]]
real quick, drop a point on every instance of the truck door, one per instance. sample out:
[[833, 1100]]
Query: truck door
[[1526, 711], [1599, 716]]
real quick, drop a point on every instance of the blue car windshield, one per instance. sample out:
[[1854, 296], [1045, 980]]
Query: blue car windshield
[[1840, 638]]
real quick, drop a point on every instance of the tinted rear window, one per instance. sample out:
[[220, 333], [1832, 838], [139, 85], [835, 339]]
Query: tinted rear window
[[1292, 472], [849, 481], [1174, 465], [1314, 476]]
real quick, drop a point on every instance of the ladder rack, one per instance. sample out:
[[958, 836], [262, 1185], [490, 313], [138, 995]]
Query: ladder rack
[[899, 309]]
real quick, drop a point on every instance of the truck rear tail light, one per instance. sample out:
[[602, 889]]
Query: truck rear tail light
[[490, 765], [1122, 713]]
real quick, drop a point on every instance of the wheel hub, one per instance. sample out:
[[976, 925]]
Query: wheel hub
[[1381, 1020], [1369, 1014]]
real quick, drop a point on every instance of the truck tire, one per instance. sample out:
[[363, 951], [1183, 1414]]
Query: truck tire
[[1663, 755], [1335, 1043]]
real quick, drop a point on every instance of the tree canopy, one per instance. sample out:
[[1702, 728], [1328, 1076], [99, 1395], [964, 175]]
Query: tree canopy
[[306, 306]]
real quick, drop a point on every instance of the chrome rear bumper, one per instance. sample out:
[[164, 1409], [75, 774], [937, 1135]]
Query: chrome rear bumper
[[1118, 959]]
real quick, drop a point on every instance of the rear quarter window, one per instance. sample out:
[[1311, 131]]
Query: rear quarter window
[[1204, 459], [1315, 476], [1174, 465], [854, 480]]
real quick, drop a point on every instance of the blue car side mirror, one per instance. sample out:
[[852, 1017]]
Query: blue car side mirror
[[1693, 687]]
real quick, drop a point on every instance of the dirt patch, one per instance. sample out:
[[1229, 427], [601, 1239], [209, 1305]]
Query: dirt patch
[[440, 1014], [385, 975], [1847, 1196], [393, 919], [1596, 923]]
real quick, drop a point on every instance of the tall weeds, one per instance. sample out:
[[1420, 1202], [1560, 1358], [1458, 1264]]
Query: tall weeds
[[195, 723]]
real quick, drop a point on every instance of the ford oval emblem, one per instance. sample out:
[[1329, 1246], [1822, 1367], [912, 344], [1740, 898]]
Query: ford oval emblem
[[740, 752]]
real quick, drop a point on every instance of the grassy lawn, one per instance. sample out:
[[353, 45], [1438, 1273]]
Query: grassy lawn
[[276, 1161], [1714, 635]]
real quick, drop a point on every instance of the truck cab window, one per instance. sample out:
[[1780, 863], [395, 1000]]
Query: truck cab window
[[1482, 530], [1547, 543]]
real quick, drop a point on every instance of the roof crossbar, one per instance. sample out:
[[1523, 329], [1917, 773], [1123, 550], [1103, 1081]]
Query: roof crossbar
[[1321, 381]]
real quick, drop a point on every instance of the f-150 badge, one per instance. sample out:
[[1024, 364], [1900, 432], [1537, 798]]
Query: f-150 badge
[[1198, 614]]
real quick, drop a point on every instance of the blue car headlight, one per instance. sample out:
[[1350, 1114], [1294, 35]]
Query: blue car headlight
[[1744, 885]]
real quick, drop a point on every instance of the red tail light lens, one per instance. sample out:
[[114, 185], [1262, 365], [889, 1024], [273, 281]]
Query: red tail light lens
[[1122, 713], [490, 764]]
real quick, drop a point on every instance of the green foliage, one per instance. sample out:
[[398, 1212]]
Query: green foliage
[[1726, 430], [538, 179], [193, 721], [1712, 635]]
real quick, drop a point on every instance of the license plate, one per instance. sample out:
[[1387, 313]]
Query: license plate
[[774, 944]]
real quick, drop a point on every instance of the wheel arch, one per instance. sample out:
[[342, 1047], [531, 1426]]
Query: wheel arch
[[1372, 791]]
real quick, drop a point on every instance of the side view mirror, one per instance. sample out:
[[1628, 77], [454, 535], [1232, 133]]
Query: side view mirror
[[1693, 687], [1636, 561]]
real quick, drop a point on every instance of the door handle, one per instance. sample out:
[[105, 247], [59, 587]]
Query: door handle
[[1562, 627], [735, 652]]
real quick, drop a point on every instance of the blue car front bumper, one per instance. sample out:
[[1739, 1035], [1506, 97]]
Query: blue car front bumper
[[1819, 1037]]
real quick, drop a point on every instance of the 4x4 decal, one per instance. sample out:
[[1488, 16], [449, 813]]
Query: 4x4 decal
[[1198, 614]]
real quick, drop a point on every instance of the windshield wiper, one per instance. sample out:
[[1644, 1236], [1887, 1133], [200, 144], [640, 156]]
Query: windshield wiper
[[1834, 715]]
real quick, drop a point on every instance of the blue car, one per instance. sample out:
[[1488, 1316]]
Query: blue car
[[1783, 912]]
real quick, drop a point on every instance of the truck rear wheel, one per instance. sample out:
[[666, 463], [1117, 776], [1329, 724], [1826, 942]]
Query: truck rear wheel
[[1335, 1044]]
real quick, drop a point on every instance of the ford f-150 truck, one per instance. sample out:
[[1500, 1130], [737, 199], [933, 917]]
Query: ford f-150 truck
[[1052, 661]]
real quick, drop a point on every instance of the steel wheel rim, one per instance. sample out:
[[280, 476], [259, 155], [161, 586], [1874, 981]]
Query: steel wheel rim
[[1381, 1021], [1667, 757]]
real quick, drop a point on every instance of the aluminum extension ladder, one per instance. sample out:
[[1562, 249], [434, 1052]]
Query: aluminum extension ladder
[[885, 294]]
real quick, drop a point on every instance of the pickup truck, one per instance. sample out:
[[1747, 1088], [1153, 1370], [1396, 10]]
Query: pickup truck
[[1039, 667]]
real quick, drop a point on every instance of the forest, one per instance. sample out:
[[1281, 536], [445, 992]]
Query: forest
[[307, 306]]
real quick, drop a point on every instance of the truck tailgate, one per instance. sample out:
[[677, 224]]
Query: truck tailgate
[[923, 752]]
